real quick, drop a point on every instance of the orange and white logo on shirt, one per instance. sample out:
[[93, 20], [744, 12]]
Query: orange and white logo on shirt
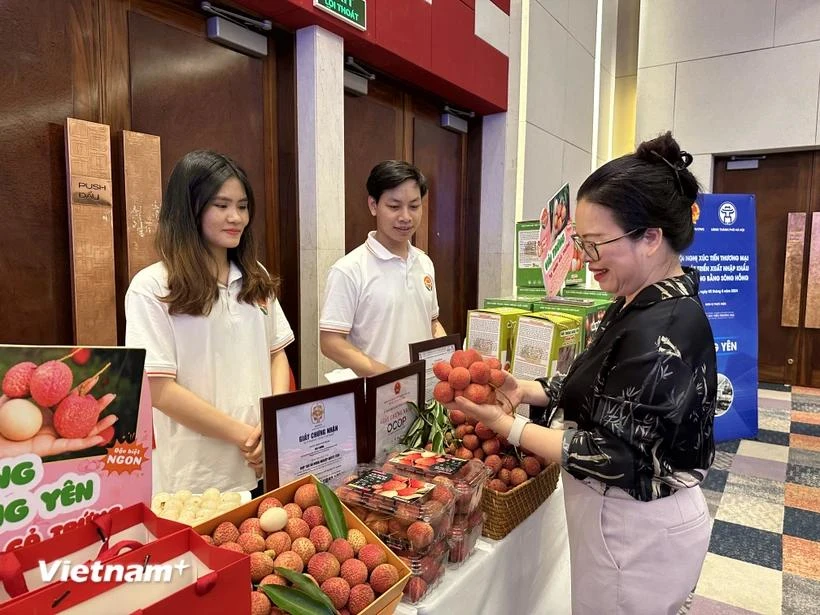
[[428, 283], [262, 304]]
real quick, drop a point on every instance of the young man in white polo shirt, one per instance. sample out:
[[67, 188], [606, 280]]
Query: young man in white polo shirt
[[381, 296]]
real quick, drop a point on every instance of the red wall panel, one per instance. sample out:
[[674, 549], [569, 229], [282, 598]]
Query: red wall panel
[[404, 28], [430, 45]]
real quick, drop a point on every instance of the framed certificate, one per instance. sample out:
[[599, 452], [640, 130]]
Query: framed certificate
[[388, 415], [431, 352], [319, 431]]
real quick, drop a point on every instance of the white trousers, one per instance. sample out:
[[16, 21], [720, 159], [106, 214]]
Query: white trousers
[[632, 558]]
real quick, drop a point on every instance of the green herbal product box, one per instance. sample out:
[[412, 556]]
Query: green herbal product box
[[586, 293], [546, 343], [521, 303], [491, 331], [590, 311]]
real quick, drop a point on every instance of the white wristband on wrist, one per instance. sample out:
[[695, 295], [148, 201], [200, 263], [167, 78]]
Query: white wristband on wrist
[[517, 428]]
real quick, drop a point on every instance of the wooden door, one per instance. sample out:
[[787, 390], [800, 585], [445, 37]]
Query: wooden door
[[374, 131], [782, 183], [810, 355]]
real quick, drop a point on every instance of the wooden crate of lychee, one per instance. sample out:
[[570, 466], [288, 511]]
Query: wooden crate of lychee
[[386, 603], [505, 511]]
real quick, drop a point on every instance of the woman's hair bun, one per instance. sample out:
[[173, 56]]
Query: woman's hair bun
[[663, 148]]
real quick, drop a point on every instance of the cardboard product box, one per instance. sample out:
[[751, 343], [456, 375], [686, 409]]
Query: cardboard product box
[[586, 293], [546, 343], [533, 293], [522, 303], [491, 331], [590, 311], [385, 604], [527, 261], [577, 277]]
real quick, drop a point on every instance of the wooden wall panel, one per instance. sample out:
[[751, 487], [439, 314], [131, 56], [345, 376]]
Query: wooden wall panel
[[142, 179], [198, 95], [91, 221], [41, 50]]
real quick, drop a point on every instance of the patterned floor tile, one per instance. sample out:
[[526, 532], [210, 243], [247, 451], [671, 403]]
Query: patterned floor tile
[[806, 417], [772, 437], [800, 596], [802, 523], [764, 468], [729, 446], [771, 491], [806, 406], [762, 450], [807, 443], [803, 475], [806, 429], [810, 459], [723, 460], [747, 544], [748, 586], [705, 606], [751, 512], [715, 480], [712, 500], [800, 496], [764, 395], [774, 421], [801, 557]]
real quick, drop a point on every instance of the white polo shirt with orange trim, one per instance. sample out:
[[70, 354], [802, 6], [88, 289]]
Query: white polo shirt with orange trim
[[223, 357], [381, 301]]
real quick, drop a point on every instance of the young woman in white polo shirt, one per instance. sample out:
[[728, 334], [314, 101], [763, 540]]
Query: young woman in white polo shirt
[[213, 330]]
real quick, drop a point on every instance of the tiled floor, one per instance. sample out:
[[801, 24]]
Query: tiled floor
[[764, 497]]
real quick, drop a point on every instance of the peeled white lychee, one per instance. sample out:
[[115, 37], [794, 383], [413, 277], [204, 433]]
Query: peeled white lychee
[[273, 519]]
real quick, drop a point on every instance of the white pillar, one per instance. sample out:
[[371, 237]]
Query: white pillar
[[320, 134]]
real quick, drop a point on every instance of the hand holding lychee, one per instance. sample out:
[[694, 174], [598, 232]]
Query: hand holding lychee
[[27, 424], [476, 386]]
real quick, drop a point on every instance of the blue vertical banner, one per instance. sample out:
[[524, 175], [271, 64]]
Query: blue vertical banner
[[724, 252]]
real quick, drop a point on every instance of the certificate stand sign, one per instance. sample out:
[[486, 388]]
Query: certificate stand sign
[[388, 414], [431, 352], [319, 431]]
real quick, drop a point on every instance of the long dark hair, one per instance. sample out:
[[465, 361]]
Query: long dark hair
[[193, 287], [650, 188]]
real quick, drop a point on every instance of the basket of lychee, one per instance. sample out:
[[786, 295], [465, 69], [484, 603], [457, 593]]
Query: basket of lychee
[[520, 482], [309, 554]]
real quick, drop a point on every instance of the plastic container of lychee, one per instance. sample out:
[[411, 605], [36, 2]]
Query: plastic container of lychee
[[425, 570], [466, 477], [464, 534], [407, 513]]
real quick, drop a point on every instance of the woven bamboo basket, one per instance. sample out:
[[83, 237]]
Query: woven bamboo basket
[[505, 511]]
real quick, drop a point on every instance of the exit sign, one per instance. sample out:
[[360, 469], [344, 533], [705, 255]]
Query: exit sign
[[352, 12]]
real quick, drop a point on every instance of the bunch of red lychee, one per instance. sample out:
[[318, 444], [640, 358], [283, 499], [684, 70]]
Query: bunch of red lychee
[[352, 572], [509, 467], [29, 387], [426, 570], [468, 375]]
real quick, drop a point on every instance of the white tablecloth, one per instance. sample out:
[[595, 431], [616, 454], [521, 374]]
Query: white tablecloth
[[526, 573]]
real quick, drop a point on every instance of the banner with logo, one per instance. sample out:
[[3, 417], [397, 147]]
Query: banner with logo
[[555, 247], [724, 252]]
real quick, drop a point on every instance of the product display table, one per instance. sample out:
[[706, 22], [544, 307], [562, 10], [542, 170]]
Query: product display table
[[526, 572]]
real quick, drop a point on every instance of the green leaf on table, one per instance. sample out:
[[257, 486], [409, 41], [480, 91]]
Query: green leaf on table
[[294, 601], [332, 509], [304, 584]]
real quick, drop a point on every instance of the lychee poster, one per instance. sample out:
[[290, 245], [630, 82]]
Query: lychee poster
[[75, 438]]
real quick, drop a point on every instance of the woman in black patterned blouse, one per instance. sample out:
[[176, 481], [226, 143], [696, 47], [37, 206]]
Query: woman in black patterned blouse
[[631, 422]]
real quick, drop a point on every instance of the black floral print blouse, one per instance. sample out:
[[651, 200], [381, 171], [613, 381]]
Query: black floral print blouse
[[639, 403]]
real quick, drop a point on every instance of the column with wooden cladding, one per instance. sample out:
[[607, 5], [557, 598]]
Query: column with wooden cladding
[[91, 233]]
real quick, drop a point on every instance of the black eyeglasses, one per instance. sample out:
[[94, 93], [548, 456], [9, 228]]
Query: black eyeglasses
[[590, 248]]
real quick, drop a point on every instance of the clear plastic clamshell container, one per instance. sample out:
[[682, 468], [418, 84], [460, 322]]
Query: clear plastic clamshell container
[[466, 477], [408, 514], [426, 570], [464, 534]]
